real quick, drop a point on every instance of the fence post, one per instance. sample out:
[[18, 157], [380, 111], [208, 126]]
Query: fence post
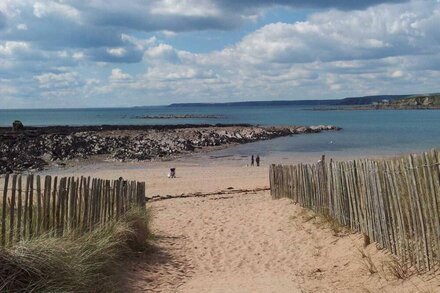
[[70, 205], [19, 208], [12, 210], [395, 202], [5, 197]]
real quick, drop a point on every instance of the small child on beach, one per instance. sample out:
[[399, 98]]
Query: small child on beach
[[172, 173]]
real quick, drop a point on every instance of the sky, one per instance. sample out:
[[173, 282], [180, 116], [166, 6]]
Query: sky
[[112, 53]]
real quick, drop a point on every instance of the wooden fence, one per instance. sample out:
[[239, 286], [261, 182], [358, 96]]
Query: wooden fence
[[396, 202], [32, 205]]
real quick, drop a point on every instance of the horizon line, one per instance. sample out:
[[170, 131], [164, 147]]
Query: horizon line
[[209, 103]]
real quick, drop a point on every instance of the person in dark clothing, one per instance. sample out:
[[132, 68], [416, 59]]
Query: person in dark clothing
[[257, 160], [252, 160], [124, 182]]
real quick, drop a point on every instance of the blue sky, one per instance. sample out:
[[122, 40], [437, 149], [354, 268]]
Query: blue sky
[[209, 40], [96, 53]]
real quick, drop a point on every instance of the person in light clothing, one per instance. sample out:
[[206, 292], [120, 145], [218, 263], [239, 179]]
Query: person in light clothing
[[172, 173]]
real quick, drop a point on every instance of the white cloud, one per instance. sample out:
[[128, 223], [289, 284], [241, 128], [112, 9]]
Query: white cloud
[[47, 8], [78, 56], [22, 27], [57, 80], [336, 53], [377, 32], [185, 8], [174, 73], [118, 75], [11, 48], [169, 34], [389, 48], [140, 44], [117, 52], [397, 74], [160, 53]]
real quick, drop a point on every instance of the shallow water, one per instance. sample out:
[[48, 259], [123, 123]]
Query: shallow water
[[368, 133]]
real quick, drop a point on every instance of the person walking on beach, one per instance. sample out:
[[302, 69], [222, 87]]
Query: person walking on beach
[[252, 160], [257, 160]]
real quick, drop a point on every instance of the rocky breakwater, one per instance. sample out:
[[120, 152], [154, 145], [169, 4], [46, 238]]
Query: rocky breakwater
[[34, 148], [179, 116]]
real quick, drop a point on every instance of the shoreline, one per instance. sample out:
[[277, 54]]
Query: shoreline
[[36, 148], [374, 107], [196, 173]]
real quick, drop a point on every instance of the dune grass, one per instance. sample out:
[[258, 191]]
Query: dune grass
[[88, 263]]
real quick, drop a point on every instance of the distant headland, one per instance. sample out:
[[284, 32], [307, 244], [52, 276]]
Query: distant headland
[[365, 100], [378, 102], [414, 102]]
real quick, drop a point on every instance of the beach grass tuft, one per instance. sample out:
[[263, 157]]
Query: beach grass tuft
[[88, 263], [321, 221], [368, 263], [398, 269], [337, 228]]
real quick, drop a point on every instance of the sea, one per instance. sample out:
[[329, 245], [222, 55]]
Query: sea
[[364, 132]]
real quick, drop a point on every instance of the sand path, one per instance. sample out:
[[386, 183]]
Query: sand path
[[243, 242], [251, 243]]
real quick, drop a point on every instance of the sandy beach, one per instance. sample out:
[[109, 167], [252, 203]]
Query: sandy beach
[[127, 130], [240, 240], [251, 243]]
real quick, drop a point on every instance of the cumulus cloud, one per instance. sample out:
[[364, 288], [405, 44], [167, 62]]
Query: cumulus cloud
[[59, 88], [175, 73], [101, 23], [185, 8], [128, 54], [102, 29], [112, 48], [117, 52], [55, 9], [379, 50], [12, 49], [375, 33], [162, 52], [178, 15], [341, 4], [118, 75], [56, 81]]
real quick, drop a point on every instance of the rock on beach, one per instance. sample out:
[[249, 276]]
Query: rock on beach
[[34, 148]]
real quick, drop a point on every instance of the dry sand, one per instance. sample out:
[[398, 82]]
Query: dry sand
[[244, 242], [193, 175], [251, 243]]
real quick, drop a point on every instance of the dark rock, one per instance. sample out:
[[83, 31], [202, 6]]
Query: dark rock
[[30, 149], [17, 125]]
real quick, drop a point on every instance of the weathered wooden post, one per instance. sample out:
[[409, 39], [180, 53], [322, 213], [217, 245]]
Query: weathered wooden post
[[4, 201]]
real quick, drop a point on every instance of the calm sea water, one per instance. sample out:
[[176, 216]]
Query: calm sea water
[[364, 132]]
